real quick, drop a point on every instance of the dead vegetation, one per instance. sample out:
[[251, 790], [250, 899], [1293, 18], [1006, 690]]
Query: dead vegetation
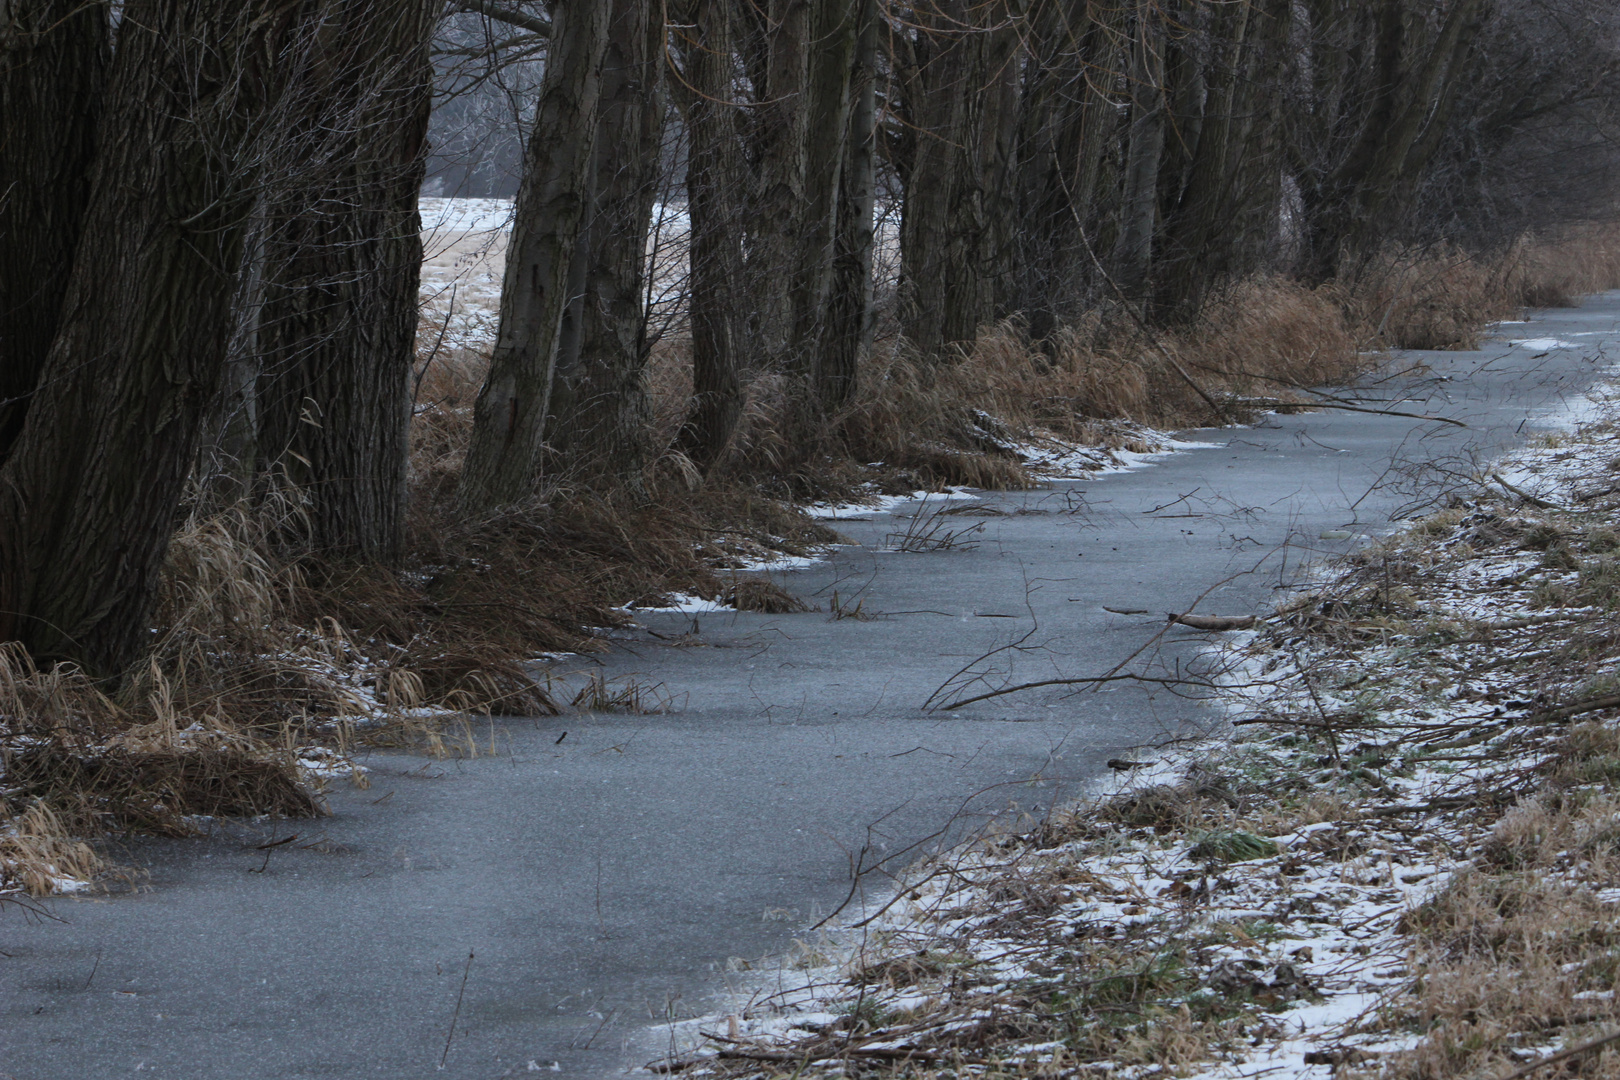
[[1416, 828], [264, 648], [924, 423]]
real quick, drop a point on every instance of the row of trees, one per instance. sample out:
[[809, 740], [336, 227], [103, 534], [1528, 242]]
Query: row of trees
[[209, 247], [1041, 155]]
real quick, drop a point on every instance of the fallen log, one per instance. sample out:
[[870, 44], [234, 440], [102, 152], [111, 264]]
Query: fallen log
[[1213, 622], [1533, 500], [1576, 708], [1524, 622]]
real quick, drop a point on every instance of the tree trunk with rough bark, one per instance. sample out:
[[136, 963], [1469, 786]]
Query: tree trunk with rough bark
[[90, 493], [777, 208], [1385, 110], [601, 409], [509, 427], [1196, 239], [935, 89], [961, 94], [835, 28], [53, 61], [713, 180], [1133, 255], [986, 204], [1066, 135], [849, 310], [337, 325]]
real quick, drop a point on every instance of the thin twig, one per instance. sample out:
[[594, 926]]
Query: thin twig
[[1563, 1055], [456, 1015]]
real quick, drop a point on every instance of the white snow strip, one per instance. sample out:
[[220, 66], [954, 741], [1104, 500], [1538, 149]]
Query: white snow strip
[[686, 604], [1543, 344], [883, 504]]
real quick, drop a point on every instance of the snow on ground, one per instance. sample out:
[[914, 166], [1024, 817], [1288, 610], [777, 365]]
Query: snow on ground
[[1057, 461], [686, 604], [465, 215], [1545, 344], [464, 257], [884, 504]]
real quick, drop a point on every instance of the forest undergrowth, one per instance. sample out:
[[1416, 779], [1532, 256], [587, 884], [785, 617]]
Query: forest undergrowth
[[269, 666]]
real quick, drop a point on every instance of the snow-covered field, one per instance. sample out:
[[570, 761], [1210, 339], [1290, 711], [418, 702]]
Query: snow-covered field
[[465, 256]]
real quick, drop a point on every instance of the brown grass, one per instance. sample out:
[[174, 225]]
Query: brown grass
[[1442, 298], [38, 853], [263, 648], [924, 423], [930, 422]]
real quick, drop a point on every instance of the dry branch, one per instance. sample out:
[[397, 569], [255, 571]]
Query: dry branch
[[1212, 622]]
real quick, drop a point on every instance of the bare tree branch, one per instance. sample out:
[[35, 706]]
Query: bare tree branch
[[534, 24]]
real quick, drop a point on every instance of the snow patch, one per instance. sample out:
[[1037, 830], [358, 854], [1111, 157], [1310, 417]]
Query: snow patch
[[1543, 344]]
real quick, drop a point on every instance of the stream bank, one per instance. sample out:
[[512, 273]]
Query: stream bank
[[603, 879]]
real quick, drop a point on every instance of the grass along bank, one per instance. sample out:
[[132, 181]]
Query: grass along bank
[[1400, 860], [271, 662]]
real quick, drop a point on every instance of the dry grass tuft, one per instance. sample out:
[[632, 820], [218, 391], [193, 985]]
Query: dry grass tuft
[[1442, 298], [766, 597], [626, 694], [928, 423], [38, 855], [156, 791], [78, 762]]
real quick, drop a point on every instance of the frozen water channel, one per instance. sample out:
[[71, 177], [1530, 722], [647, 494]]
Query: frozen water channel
[[602, 879]]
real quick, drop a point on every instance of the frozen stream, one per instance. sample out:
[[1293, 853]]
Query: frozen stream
[[602, 879]]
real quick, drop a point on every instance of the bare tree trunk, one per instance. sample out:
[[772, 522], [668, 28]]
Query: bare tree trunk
[[337, 327], [1408, 87], [1202, 226], [1134, 254], [508, 441], [980, 287], [935, 90], [713, 175], [1067, 135], [849, 310], [600, 406], [778, 206], [827, 132], [956, 225], [53, 60], [228, 450], [90, 493]]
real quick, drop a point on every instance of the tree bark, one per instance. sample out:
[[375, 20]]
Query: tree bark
[[1134, 254], [835, 28], [987, 203], [713, 175], [1203, 221], [935, 90], [53, 61], [956, 226], [777, 208], [337, 326], [1384, 118], [849, 310], [89, 496], [601, 408], [1067, 137], [509, 427]]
